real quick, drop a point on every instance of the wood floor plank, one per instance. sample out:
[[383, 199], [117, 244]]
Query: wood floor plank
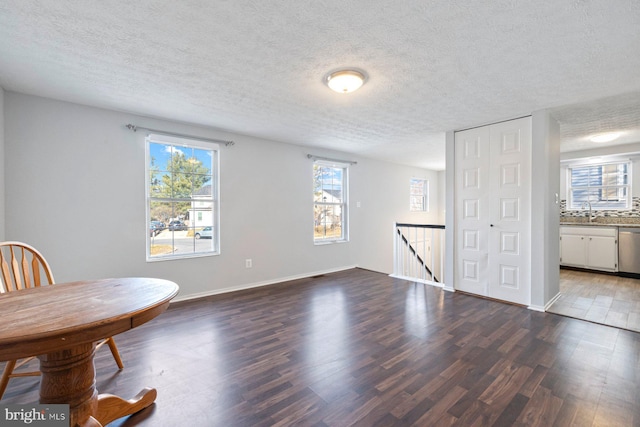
[[533, 382], [512, 411], [437, 411], [360, 348], [541, 410]]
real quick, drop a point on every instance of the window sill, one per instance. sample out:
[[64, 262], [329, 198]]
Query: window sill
[[185, 256], [329, 242]]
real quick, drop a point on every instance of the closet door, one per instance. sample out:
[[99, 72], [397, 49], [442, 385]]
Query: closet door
[[510, 227], [493, 193], [472, 210]]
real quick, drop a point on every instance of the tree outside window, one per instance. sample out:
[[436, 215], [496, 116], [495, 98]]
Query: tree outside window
[[182, 197]]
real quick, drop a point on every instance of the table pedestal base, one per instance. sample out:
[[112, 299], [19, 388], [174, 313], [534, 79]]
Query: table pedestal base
[[68, 376], [111, 407]]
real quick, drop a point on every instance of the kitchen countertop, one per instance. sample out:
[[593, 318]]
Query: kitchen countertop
[[599, 224]]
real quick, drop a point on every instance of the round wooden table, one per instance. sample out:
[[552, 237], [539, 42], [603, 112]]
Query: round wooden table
[[61, 323]]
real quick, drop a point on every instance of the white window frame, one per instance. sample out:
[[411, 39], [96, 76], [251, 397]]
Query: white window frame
[[171, 141], [598, 204], [424, 205], [344, 204]]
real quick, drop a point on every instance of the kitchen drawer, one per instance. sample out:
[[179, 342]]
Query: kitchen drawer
[[589, 231]]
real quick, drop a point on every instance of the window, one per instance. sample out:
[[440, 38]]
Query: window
[[605, 186], [418, 195], [330, 192], [182, 198]]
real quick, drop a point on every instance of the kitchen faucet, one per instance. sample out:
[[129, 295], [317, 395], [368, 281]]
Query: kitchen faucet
[[588, 203]]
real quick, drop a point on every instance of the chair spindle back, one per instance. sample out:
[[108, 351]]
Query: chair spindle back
[[21, 267]]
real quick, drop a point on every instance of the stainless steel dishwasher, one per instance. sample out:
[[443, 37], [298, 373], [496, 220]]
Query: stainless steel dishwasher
[[629, 250]]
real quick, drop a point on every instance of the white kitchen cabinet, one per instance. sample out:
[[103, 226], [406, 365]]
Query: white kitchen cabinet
[[593, 247], [573, 250]]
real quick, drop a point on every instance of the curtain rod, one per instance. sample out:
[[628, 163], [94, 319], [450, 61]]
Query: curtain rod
[[179, 135], [328, 159]]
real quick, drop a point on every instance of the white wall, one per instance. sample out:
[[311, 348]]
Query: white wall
[[2, 168], [75, 190], [442, 202], [383, 192], [545, 218]]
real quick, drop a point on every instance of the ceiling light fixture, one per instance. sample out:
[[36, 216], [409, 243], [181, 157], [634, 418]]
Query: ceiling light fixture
[[345, 81], [605, 137]]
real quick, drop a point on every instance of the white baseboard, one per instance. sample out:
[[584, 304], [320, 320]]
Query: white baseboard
[[546, 306], [259, 284], [552, 300], [413, 279]]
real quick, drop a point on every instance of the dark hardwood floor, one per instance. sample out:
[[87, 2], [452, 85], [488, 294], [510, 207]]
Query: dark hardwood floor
[[360, 348]]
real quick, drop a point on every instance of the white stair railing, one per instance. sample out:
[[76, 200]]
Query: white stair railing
[[419, 253]]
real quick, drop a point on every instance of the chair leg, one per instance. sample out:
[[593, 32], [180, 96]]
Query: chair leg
[[114, 351], [8, 370]]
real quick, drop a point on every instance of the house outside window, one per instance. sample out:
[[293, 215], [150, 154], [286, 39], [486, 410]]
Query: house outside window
[[418, 195], [330, 202], [182, 198], [607, 186]]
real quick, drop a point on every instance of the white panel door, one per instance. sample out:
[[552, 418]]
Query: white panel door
[[472, 210], [493, 211], [510, 223]]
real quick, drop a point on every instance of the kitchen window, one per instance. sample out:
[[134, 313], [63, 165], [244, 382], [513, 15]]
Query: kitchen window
[[606, 186]]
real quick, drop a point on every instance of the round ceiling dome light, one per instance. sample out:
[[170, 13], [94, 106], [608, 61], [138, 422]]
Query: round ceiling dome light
[[345, 81], [605, 137]]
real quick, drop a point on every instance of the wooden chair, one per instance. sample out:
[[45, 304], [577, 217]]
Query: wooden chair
[[21, 267]]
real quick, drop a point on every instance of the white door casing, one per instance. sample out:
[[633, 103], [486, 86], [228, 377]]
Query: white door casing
[[493, 256]]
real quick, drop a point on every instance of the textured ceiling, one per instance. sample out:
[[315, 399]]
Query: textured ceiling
[[255, 67]]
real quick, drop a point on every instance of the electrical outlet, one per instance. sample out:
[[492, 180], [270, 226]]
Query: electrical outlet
[[248, 263]]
